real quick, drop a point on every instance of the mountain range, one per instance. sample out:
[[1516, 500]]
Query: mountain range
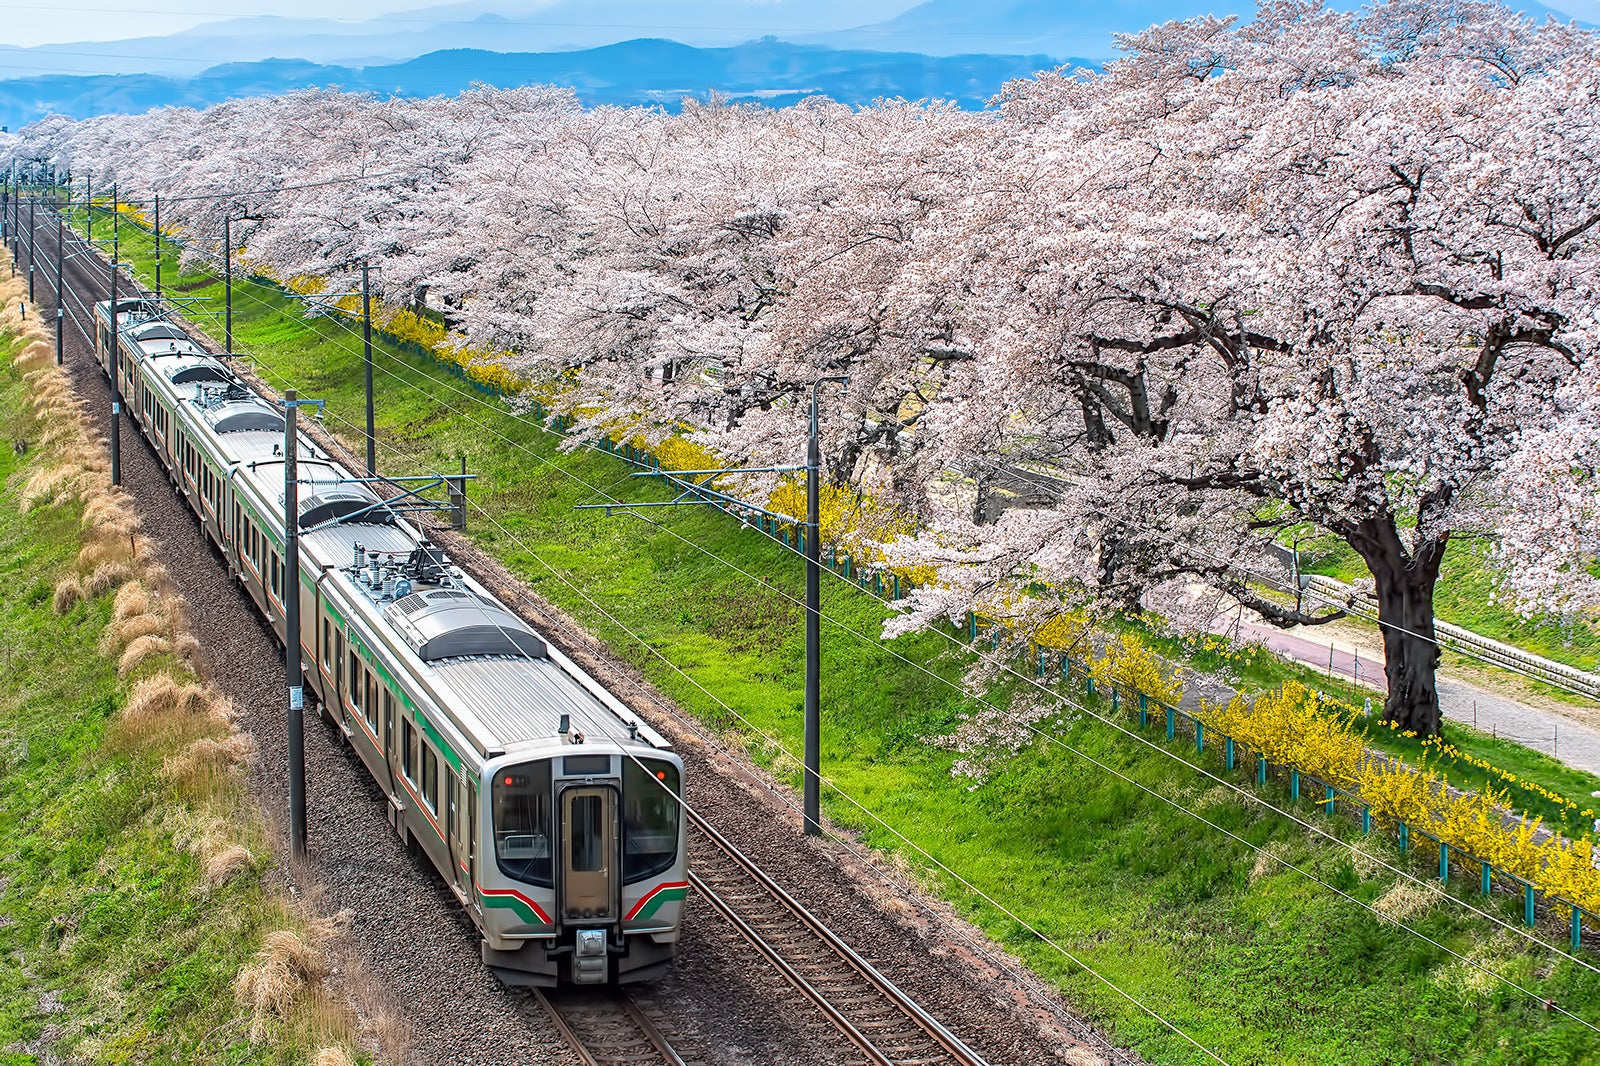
[[610, 51]]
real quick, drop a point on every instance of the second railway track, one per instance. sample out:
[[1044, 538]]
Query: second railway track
[[883, 1024]]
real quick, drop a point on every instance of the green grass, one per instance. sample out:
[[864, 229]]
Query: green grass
[[1258, 963], [112, 947]]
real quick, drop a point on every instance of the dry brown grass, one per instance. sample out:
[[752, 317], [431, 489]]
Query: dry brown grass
[[36, 354], [197, 768], [142, 650], [333, 1056], [106, 577], [286, 967], [1404, 901], [68, 592], [132, 598], [221, 866], [119, 633]]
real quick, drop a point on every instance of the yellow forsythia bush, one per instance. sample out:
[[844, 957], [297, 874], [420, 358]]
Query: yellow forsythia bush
[[1128, 663], [1292, 726]]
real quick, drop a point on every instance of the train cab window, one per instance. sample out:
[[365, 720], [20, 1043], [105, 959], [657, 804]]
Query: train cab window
[[521, 805], [650, 812], [430, 778]]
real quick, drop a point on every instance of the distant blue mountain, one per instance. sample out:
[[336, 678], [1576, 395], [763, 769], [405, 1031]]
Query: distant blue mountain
[[633, 72], [1050, 27]]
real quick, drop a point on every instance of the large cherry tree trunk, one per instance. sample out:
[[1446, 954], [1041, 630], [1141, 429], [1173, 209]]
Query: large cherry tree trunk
[[1404, 587]]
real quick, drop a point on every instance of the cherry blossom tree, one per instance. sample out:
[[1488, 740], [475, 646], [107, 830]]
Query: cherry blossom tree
[[1325, 271], [1326, 268]]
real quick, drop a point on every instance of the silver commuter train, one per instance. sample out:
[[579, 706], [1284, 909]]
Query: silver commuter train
[[547, 805]]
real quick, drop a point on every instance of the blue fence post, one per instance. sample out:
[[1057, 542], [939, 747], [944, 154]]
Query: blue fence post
[[1527, 904], [799, 537], [1144, 704], [846, 565], [1261, 769], [1227, 752], [1199, 737], [1577, 928], [1405, 838], [1294, 786], [1487, 879], [896, 583], [1088, 684], [972, 622], [1366, 819], [1444, 860], [1116, 698], [1327, 808], [1172, 723]]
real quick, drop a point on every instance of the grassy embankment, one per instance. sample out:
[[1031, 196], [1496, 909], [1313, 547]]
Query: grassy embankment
[[1251, 959], [136, 922]]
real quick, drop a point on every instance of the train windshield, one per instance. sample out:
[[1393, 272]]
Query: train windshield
[[522, 822], [650, 811]]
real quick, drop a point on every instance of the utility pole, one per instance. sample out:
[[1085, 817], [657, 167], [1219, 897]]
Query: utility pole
[[291, 628], [61, 296], [158, 249], [366, 344], [227, 282], [813, 552], [33, 245], [113, 357]]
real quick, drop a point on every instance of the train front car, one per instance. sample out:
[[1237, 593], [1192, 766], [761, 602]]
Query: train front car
[[587, 879]]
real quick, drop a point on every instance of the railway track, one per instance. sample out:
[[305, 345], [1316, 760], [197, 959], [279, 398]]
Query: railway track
[[608, 1029], [885, 1026]]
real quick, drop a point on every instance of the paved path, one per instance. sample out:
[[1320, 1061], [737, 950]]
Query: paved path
[[1573, 742]]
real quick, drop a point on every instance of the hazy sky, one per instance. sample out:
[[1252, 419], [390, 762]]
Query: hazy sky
[[110, 20], [107, 20]]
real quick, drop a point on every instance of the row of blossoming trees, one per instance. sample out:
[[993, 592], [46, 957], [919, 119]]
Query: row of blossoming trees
[[1323, 270]]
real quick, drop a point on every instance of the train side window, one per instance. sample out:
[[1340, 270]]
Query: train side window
[[450, 812], [388, 723], [370, 708], [327, 643], [430, 778], [353, 680], [408, 750]]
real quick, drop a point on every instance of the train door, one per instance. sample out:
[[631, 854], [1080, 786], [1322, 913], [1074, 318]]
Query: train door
[[588, 841]]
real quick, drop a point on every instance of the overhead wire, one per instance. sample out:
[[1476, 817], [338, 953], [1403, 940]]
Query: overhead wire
[[1043, 937], [1052, 739]]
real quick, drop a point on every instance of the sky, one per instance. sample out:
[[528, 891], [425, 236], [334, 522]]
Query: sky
[[27, 25]]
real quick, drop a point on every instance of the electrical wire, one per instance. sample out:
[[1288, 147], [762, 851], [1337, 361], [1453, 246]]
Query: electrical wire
[[1039, 934], [1052, 739]]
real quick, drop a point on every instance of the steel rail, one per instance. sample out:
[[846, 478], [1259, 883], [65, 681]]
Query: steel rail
[[627, 1009], [908, 1008]]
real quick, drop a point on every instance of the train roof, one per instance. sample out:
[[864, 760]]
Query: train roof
[[503, 687]]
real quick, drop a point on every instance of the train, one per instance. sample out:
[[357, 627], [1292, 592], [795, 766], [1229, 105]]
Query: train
[[548, 806]]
